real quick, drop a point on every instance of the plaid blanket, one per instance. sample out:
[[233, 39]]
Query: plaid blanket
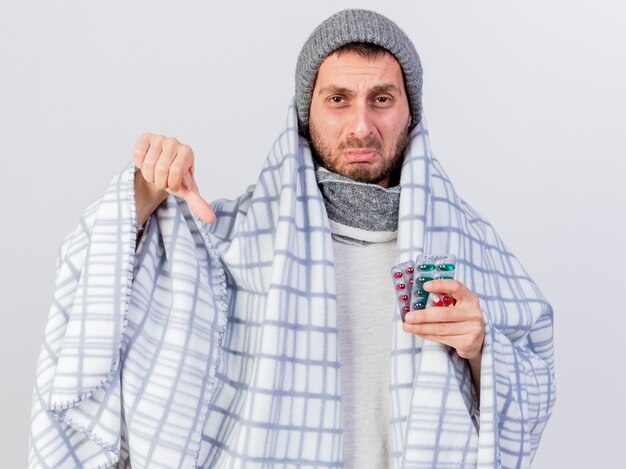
[[216, 345]]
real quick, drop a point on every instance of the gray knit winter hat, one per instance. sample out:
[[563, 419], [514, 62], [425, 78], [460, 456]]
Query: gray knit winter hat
[[349, 26]]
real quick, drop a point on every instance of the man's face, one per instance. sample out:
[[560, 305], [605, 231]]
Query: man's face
[[360, 116]]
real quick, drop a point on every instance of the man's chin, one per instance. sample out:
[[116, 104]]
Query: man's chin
[[369, 172], [363, 172]]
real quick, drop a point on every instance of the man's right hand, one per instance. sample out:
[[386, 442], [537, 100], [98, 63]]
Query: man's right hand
[[166, 166]]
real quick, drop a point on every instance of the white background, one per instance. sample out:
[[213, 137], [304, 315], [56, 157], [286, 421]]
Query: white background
[[525, 103]]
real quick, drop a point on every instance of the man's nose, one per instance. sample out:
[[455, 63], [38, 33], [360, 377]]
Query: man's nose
[[361, 120]]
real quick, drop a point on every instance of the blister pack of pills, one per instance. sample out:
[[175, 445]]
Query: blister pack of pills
[[402, 275], [412, 276]]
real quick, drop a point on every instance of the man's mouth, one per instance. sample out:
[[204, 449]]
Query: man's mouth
[[359, 155]]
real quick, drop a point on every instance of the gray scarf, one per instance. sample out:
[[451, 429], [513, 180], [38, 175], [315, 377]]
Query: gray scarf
[[359, 213]]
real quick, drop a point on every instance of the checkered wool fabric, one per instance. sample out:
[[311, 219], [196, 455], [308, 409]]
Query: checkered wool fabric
[[216, 346]]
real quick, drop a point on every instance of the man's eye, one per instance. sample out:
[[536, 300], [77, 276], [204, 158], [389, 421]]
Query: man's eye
[[382, 99], [336, 99]]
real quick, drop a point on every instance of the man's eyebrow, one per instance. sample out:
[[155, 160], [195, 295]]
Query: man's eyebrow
[[383, 88], [334, 89]]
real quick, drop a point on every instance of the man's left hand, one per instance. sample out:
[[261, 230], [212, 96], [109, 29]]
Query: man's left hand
[[460, 326]]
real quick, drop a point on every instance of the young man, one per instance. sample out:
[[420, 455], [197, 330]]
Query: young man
[[264, 331]]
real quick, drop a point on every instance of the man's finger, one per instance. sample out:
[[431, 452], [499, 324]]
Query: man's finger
[[440, 328], [454, 288], [200, 207], [141, 148], [150, 160], [197, 204], [182, 165], [162, 166], [434, 314]]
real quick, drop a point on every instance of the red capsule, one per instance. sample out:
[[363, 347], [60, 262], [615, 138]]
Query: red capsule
[[397, 274], [410, 270], [407, 309], [404, 297], [447, 300], [401, 286], [435, 300], [411, 281]]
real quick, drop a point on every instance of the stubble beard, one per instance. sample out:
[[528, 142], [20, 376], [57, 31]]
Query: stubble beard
[[363, 172]]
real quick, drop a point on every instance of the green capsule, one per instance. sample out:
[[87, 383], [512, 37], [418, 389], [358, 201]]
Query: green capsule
[[421, 293], [423, 279], [445, 277], [446, 267], [419, 305], [425, 267]]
